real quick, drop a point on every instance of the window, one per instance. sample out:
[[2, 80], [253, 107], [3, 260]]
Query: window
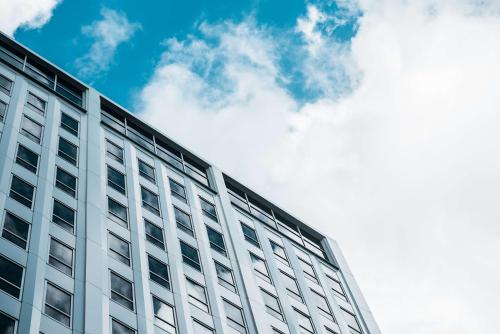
[[190, 256], [16, 230], [158, 272], [336, 286], [164, 315], [31, 129], [351, 320], [200, 328], [150, 201], [114, 151], [61, 257], [116, 180], [119, 328], [183, 221], [119, 249], [291, 286], [122, 291], [208, 209], [197, 295], [27, 158], [7, 324], [250, 235], [69, 124], [66, 182], [234, 317], [68, 151], [330, 331], [216, 241], [64, 216], [11, 277], [272, 304], [322, 304], [146, 171], [22, 191], [225, 276], [154, 234], [36, 103], [5, 85], [260, 267], [279, 252], [304, 321], [178, 190], [3, 110], [58, 304], [308, 270], [118, 212]]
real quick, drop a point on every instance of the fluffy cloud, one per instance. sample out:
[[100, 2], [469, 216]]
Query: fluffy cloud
[[29, 14], [399, 151], [107, 33]]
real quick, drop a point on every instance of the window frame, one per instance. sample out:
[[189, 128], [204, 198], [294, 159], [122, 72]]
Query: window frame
[[174, 315], [148, 206], [64, 222], [4, 89], [24, 163], [16, 193], [34, 107], [339, 294], [71, 267], [113, 320], [132, 301], [219, 249], [143, 173], [67, 128], [205, 212], [189, 230], [312, 331], [167, 285], [64, 187], [6, 107], [176, 194], [115, 254], [28, 134], [3, 314], [354, 317], [307, 275], [230, 320], [328, 313], [65, 156], [295, 295], [250, 239], [278, 314], [45, 304], [219, 278], [151, 238], [18, 288], [193, 299], [187, 260], [277, 256], [121, 159], [13, 234], [114, 217], [264, 276], [114, 185]]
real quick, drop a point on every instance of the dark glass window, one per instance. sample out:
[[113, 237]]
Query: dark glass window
[[66, 182], [116, 180], [291, 286], [31, 129], [61, 257], [178, 190], [197, 295], [305, 323], [150, 201], [122, 291], [272, 304], [216, 241], [119, 249], [190, 256], [164, 315], [7, 324], [260, 267], [16, 230], [68, 151], [234, 317], [158, 272], [37, 104], [351, 320], [208, 209], [3, 110], [225, 276], [279, 252], [64, 216], [322, 305], [58, 304], [11, 277], [27, 158], [114, 151], [69, 124], [118, 212], [22, 191], [146, 171], [250, 235], [5, 84], [154, 234], [119, 328], [336, 286], [183, 221], [308, 270]]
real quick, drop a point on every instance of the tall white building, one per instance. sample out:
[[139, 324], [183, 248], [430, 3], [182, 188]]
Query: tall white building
[[108, 226]]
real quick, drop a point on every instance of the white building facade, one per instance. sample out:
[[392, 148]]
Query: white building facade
[[108, 226]]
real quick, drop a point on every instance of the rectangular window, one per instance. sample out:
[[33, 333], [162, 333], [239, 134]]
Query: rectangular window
[[61, 257], [292, 289], [16, 230], [200, 328], [183, 221], [58, 304], [336, 286], [250, 235], [154, 234], [122, 291], [150, 201], [69, 124], [11, 277], [197, 295], [36, 103], [164, 315], [7, 324], [114, 151], [116, 180], [119, 328], [5, 85], [147, 171], [304, 321], [118, 212], [27, 158], [308, 270], [3, 110], [272, 304], [178, 190], [31, 129], [234, 316], [190, 256], [119, 249], [225, 276], [279, 252], [208, 209], [158, 272], [68, 151], [22, 191], [351, 320], [260, 267], [216, 241], [66, 182], [64, 216], [322, 305]]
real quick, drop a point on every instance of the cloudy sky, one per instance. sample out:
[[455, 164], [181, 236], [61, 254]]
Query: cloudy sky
[[385, 115]]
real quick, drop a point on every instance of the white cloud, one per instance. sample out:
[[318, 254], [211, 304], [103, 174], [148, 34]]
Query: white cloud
[[108, 33], [29, 14], [404, 168]]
